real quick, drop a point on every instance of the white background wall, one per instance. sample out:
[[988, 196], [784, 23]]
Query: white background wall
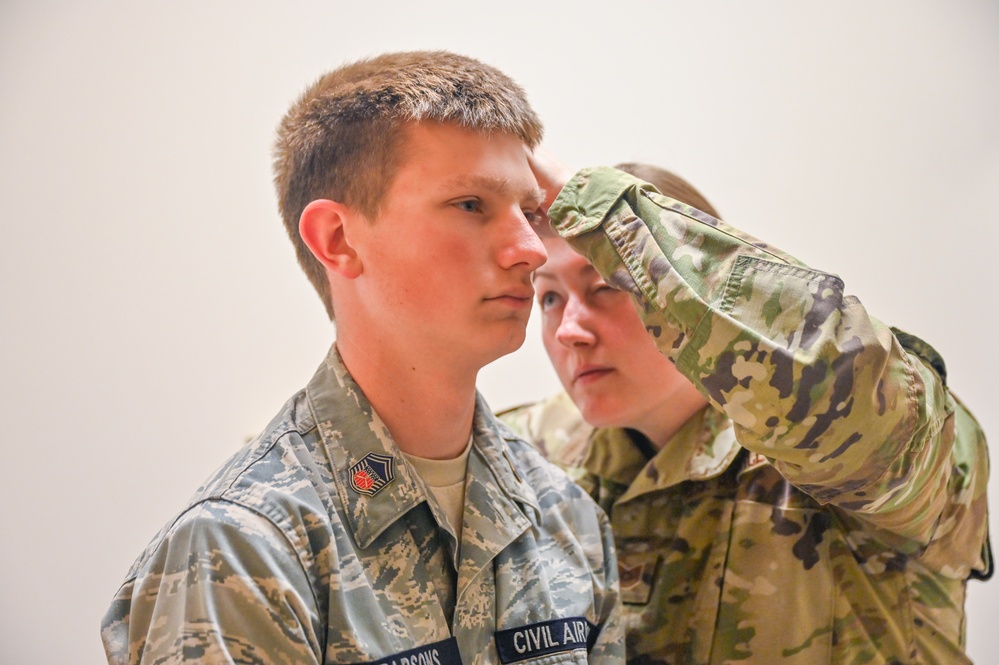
[[152, 312]]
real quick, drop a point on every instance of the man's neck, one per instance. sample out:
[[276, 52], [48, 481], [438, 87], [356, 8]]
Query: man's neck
[[427, 409]]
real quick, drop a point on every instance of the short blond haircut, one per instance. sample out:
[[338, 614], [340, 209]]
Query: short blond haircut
[[343, 140]]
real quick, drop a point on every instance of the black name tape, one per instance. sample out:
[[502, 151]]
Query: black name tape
[[444, 652], [543, 638]]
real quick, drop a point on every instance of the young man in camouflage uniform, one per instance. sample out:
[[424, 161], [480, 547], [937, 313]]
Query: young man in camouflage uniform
[[801, 487], [384, 516]]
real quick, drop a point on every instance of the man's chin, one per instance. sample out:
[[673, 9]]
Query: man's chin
[[507, 345]]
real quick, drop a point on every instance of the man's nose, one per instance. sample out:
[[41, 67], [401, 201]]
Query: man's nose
[[522, 246]]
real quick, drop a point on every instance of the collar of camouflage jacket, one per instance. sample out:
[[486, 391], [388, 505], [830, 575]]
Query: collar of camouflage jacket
[[377, 486], [703, 448]]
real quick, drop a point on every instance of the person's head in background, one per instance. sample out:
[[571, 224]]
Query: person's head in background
[[605, 359]]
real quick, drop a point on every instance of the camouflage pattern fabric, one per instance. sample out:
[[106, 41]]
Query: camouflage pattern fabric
[[828, 507], [317, 543]]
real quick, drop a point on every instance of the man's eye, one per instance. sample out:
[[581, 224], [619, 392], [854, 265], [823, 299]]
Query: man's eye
[[471, 205], [532, 216]]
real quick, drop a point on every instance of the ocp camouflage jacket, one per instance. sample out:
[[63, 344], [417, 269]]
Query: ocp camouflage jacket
[[830, 503]]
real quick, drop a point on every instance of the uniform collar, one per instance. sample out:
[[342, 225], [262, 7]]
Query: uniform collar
[[703, 448], [496, 499], [351, 430], [491, 437]]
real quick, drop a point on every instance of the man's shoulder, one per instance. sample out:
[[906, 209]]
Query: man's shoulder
[[555, 427], [257, 523], [269, 464], [278, 477]]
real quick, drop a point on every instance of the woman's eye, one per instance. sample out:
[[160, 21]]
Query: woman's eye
[[604, 292], [547, 300]]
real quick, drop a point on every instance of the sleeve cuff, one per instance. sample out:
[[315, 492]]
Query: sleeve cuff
[[587, 199]]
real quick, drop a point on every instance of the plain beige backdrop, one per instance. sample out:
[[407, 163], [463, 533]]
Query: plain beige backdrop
[[153, 316]]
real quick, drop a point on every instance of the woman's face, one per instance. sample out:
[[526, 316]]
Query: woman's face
[[605, 359]]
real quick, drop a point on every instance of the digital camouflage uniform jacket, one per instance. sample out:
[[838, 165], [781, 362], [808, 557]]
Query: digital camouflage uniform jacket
[[317, 543], [831, 505]]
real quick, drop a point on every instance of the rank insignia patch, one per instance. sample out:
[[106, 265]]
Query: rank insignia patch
[[637, 572], [371, 474]]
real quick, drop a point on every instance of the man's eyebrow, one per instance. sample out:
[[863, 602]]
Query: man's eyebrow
[[531, 195], [535, 196]]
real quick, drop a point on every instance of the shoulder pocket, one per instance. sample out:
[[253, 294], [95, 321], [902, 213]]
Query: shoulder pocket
[[789, 301]]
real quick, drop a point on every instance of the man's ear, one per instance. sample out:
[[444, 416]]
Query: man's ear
[[322, 227]]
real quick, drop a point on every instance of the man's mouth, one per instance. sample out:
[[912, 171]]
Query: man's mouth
[[590, 373], [515, 298]]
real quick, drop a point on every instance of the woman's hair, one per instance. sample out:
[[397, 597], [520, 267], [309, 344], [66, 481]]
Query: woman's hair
[[670, 184]]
